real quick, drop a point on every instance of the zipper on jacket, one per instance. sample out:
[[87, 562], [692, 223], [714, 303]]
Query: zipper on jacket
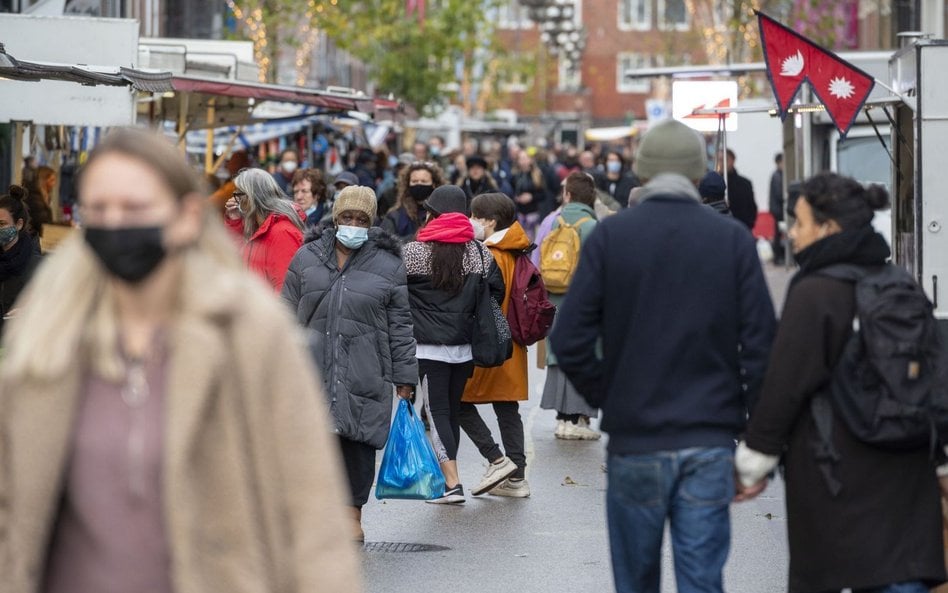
[[334, 336]]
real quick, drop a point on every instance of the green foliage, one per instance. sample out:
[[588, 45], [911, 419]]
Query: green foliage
[[413, 60]]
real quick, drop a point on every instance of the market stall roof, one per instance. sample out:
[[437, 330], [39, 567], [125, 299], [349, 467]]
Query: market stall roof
[[327, 101]]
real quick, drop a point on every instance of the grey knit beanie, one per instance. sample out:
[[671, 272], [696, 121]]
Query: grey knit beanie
[[671, 147]]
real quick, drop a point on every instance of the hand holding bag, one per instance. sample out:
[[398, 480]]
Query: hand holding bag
[[409, 467]]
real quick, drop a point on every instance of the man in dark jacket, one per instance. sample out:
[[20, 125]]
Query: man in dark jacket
[[676, 295], [740, 194]]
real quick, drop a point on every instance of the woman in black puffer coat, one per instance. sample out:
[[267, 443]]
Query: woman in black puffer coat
[[881, 533], [347, 283]]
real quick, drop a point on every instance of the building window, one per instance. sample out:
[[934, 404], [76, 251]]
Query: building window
[[513, 15], [630, 62], [568, 79], [635, 15], [673, 15]]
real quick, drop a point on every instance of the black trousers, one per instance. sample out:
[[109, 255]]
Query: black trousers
[[446, 383], [511, 433], [359, 460]]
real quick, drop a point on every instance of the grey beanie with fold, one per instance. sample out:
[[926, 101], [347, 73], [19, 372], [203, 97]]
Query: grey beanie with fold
[[671, 147]]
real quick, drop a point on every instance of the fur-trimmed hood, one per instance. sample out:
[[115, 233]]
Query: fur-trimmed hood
[[325, 234]]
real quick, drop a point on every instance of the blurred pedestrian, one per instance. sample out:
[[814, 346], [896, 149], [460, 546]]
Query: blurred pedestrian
[[881, 532], [477, 181], [445, 267], [237, 162], [530, 194], [618, 180], [740, 194], [505, 386], [713, 189], [685, 339], [347, 284], [270, 224], [389, 195], [777, 208], [415, 184], [18, 256], [289, 163], [39, 201], [163, 431], [573, 412], [311, 194]]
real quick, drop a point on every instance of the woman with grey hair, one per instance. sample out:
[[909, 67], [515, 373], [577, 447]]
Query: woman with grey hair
[[269, 223]]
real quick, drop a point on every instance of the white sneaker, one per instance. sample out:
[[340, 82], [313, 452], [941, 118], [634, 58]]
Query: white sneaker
[[560, 430], [495, 474], [512, 488], [581, 431]]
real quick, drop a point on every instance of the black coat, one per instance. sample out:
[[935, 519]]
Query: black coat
[[740, 195], [885, 525], [620, 188], [16, 268], [363, 322], [439, 317]]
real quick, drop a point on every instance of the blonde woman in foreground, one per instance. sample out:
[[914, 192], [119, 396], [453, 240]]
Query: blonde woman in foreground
[[160, 427]]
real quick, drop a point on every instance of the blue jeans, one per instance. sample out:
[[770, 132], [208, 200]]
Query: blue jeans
[[907, 587], [692, 489]]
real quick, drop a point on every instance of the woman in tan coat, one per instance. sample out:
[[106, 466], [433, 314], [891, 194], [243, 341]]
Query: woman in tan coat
[[160, 424], [504, 386]]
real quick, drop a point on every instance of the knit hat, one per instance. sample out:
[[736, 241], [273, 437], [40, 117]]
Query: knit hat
[[712, 186], [447, 198], [671, 147], [355, 197]]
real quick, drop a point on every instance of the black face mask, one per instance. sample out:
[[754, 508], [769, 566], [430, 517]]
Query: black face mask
[[420, 193], [130, 253]]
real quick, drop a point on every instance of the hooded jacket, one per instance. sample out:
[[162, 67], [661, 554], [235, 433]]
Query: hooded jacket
[[507, 382], [361, 318], [269, 251]]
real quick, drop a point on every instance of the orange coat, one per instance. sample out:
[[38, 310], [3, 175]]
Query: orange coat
[[507, 382]]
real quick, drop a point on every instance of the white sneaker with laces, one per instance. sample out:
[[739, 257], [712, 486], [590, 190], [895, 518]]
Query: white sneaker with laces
[[495, 474], [512, 488]]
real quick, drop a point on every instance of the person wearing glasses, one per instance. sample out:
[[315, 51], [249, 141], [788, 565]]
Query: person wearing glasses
[[311, 194], [348, 285], [270, 225], [415, 184], [160, 432]]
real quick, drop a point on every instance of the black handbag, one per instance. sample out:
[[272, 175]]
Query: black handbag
[[491, 341]]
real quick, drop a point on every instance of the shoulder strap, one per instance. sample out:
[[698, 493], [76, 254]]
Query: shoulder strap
[[846, 272]]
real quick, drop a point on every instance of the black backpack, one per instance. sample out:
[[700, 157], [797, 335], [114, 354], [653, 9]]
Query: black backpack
[[889, 386]]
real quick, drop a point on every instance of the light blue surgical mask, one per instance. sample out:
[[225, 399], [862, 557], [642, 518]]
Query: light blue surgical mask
[[311, 209], [613, 166], [352, 237]]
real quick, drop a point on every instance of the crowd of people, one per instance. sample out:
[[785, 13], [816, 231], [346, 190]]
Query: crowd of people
[[193, 417]]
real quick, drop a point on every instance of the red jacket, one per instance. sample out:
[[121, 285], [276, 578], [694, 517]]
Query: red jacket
[[270, 249]]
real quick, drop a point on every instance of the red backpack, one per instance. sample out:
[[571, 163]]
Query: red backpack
[[529, 312]]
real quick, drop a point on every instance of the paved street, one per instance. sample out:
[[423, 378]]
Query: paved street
[[556, 539]]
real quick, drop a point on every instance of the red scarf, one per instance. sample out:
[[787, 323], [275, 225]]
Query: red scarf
[[452, 227]]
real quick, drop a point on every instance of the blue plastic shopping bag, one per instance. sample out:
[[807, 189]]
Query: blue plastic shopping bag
[[409, 466]]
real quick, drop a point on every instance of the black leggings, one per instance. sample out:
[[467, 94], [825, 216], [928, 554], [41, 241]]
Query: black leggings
[[446, 383]]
